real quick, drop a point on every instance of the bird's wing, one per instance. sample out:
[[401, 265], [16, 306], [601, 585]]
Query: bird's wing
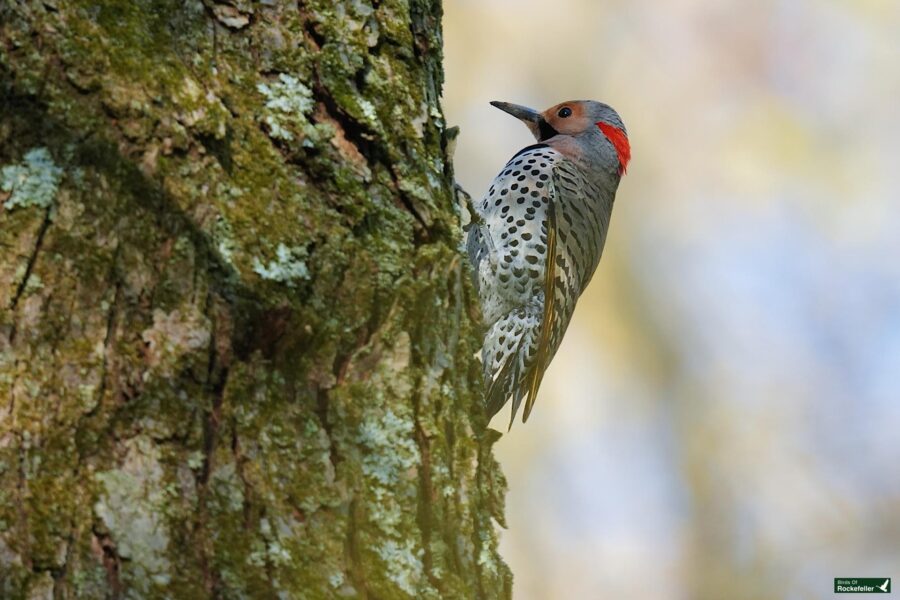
[[544, 346], [577, 221]]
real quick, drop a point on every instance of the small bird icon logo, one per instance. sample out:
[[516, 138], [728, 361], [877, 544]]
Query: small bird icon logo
[[886, 585]]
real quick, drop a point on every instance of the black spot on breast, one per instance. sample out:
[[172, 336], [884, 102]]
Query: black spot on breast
[[535, 194], [534, 274], [532, 259], [503, 277], [524, 189], [526, 236], [520, 222], [538, 184], [534, 172], [520, 200], [513, 229], [514, 186]]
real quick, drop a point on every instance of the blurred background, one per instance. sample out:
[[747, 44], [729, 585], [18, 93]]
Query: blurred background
[[723, 418]]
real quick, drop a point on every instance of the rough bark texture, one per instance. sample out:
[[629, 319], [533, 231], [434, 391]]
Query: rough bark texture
[[237, 348]]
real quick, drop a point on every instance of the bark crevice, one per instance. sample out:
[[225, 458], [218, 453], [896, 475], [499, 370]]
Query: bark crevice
[[29, 266]]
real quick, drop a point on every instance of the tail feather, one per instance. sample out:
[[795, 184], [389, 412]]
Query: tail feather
[[502, 385], [508, 354]]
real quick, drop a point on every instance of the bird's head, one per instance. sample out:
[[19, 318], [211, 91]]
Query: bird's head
[[579, 119]]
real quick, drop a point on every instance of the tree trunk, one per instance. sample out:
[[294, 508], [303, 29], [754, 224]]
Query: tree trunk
[[237, 336]]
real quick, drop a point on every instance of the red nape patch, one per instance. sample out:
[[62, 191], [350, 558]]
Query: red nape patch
[[620, 143]]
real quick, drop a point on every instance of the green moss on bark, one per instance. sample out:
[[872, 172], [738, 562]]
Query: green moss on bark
[[235, 350]]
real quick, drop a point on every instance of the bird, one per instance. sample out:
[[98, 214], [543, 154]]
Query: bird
[[884, 586], [535, 239]]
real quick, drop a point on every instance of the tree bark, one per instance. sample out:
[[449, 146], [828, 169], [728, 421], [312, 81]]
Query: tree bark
[[237, 335]]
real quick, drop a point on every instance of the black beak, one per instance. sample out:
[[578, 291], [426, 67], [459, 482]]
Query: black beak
[[522, 113], [539, 126]]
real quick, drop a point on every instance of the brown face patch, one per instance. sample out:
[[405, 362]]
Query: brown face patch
[[571, 125]]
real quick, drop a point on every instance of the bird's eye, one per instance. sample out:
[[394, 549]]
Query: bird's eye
[[564, 112]]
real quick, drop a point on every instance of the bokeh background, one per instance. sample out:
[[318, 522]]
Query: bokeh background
[[723, 418]]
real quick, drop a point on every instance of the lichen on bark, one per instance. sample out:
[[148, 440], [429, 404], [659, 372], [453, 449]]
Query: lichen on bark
[[236, 342]]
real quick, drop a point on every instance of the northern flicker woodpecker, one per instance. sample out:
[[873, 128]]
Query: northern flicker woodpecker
[[536, 239]]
